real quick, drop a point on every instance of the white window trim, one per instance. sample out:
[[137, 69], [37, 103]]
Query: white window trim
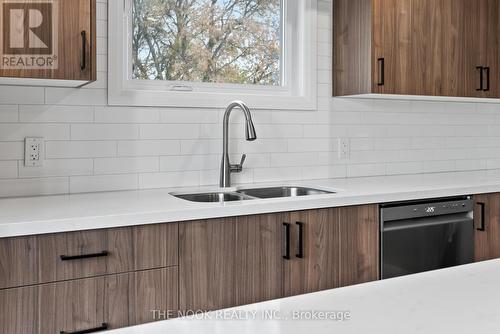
[[299, 92]]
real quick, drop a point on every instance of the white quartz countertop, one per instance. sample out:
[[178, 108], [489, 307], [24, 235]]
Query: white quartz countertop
[[463, 299], [62, 213]]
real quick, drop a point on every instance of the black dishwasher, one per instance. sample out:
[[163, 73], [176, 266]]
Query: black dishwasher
[[426, 235]]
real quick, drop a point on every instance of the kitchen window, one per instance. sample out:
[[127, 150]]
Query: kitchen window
[[205, 53]]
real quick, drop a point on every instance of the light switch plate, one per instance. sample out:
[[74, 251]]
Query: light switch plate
[[33, 151]]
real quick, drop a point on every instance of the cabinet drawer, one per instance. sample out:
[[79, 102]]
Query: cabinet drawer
[[65, 256], [88, 304], [18, 262], [53, 308]]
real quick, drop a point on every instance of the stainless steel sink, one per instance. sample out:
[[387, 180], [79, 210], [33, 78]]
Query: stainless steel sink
[[286, 191], [213, 197]]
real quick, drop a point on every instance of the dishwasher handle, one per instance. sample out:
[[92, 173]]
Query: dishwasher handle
[[482, 207], [427, 221]]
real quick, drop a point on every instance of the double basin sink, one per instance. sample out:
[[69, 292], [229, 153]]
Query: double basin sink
[[252, 193]]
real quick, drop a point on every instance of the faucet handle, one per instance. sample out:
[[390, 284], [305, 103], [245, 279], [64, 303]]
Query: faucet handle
[[243, 157], [238, 167]]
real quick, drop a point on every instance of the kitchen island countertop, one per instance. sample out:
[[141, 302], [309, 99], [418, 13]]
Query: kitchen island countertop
[[458, 300]]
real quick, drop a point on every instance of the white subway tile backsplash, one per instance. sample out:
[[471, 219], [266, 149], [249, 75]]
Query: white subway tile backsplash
[[114, 115], [83, 184], [18, 95], [258, 146], [126, 165], [8, 169], [170, 179], [205, 146], [309, 144], [396, 168], [71, 96], [11, 150], [57, 167], [186, 116], [294, 159], [438, 166], [104, 131], [277, 174], [366, 170], [94, 147], [18, 131], [324, 172], [189, 162], [55, 114], [33, 187], [79, 149], [9, 113], [169, 131], [133, 148]]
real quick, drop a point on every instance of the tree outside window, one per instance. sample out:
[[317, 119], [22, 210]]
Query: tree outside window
[[215, 41]]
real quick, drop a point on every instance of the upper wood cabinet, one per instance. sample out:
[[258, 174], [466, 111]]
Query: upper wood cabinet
[[487, 226], [482, 45], [54, 40], [416, 47]]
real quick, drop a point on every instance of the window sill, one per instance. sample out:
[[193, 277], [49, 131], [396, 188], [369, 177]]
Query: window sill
[[193, 99]]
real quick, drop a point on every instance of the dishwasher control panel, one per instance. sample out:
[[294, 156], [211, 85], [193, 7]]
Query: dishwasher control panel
[[426, 209]]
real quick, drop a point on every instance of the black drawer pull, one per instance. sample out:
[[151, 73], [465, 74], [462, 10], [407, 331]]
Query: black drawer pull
[[487, 70], [300, 253], [381, 64], [103, 327], [482, 226], [481, 78], [83, 60], [287, 241], [83, 256]]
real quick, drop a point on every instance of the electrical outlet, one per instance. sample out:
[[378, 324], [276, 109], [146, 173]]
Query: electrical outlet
[[33, 151], [344, 148]]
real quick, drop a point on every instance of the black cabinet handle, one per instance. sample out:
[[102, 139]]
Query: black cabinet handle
[[83, 59], [300, 253], [487, 70], [381, 68], [287, 241], [481, 78], [103, 327], [83, 256], [482, 226]]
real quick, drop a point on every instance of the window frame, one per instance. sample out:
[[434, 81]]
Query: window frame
[[299, 70]]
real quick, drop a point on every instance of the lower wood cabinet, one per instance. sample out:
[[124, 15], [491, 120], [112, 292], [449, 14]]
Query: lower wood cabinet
[[359, 244], [230, 261], [234, 261], [313, 254], [487, 226], [332, 248], [94, 280], [89, 304]]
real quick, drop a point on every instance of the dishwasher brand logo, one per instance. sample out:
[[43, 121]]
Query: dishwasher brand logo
[[29, 34]]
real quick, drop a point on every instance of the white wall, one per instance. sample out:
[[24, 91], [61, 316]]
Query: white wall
[[92, 147]]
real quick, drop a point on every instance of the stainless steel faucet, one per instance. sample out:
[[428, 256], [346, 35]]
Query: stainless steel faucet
[[226, 167]]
